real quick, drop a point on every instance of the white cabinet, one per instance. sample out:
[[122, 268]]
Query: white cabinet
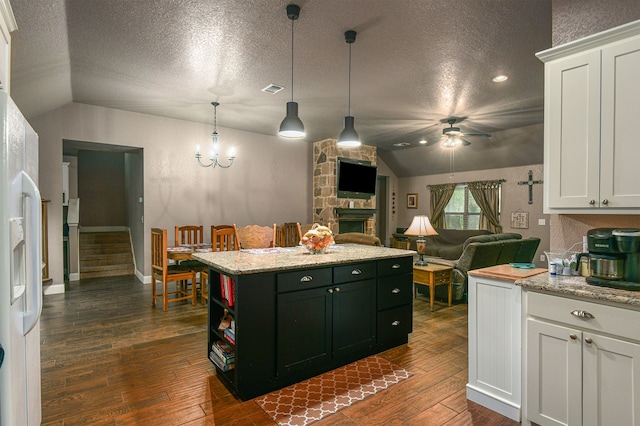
[[582, 362], [592, 99], [495, 344], [65, 183]]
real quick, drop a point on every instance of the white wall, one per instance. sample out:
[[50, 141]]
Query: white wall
[[269, 182]]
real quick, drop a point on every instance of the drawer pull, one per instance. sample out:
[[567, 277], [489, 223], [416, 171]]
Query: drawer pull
[[396, 266], [573, 336], [582, 314], [588, 340], [337, 289], [356, 272], [330, 290], [306, 279], [395, 290], [395, 323]]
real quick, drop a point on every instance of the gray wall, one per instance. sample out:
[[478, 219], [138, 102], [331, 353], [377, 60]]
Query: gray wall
[[514, 197], [269, 182], [101, 188]]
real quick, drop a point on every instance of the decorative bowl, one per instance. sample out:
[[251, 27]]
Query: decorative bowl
[[318, 239]]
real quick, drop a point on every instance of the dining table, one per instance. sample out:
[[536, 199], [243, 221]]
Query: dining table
[[184, 251]]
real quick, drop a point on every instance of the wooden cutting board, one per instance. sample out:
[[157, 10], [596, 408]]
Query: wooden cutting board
[[507, 272]]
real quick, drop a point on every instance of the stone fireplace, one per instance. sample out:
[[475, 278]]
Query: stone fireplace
[[340, 214]]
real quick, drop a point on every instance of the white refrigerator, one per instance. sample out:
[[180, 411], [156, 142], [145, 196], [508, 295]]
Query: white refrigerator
[[20, 269]]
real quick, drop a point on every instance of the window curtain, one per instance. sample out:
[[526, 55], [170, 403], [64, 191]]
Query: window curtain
[[439, 197], [487, 196]]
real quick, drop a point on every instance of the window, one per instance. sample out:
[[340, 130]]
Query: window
[[462, 212]]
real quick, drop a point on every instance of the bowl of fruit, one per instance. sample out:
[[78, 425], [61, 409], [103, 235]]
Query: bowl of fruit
[[318, 239]]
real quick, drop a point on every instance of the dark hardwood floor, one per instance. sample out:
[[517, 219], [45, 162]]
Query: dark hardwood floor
[[109, 358]]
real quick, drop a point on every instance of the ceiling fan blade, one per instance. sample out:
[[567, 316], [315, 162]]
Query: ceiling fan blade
[[478, 135], [432, 142], [465, 142]]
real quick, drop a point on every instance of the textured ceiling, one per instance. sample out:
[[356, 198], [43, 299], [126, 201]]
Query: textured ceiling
[[414, 64]]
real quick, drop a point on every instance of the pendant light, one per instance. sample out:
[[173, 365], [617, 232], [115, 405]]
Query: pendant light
[[349, 137], [291, 126]]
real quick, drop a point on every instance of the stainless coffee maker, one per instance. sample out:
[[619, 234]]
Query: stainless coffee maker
[[614, 257]]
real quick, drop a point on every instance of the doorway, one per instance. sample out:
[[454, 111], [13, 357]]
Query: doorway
[[108, 181]]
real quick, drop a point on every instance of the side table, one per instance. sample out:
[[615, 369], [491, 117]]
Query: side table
[[433, 275]]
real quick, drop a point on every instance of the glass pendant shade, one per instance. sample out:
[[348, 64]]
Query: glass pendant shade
[[291, 126], [349, 137]]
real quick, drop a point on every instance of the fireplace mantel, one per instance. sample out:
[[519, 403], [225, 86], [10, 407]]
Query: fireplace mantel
[[354, 214]]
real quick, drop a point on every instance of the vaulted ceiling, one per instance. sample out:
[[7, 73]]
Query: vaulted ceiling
[[415, 63]]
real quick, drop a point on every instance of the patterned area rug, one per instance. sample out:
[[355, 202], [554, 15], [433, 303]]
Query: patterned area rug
[[311, 400]]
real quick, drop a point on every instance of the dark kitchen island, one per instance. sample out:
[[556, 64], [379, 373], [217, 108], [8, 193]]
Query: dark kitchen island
[[296, 315]]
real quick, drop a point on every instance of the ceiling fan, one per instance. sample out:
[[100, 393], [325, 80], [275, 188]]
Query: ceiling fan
[[453, 137]]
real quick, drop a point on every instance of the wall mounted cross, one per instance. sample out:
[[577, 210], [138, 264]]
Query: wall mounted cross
[[530, 182]]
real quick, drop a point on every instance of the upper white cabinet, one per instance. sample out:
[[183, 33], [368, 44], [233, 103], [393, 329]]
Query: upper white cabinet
[[592, 106], [7, 25]]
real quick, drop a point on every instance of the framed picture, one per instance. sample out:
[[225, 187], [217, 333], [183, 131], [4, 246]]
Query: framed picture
[[520, 220], [412, 201]]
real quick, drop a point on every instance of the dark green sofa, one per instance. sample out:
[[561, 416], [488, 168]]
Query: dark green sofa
[[448, 244], [482, 251]]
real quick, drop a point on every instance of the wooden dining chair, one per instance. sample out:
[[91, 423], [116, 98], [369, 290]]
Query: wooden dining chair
[[288, 235], [189, 234], [163, 272], [223, 238], [256, 236], [192, 235]]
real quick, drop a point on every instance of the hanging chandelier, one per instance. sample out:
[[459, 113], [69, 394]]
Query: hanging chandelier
[[216, 146]]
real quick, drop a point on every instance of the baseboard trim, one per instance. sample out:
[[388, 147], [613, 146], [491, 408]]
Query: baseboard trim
[[144, 279], [53, 289], [102, 228], [494, 403], [74, 276]]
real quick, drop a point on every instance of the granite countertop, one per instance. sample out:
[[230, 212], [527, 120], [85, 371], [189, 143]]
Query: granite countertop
[[576, 286], [279, 259]]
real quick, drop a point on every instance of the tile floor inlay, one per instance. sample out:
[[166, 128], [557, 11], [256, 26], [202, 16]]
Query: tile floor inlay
[[312, 399]]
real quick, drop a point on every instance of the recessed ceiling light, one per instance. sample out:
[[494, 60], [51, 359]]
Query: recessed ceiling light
[[273, 88], [499, 78], [422, 141], [402, 144]]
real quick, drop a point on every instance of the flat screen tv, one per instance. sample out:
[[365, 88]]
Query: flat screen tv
[[356, 179]]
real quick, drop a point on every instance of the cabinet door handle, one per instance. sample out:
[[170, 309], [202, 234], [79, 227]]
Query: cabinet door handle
[[337, 289], [330, 290], [306, 279], [395, 290], [605, 201], [395, 266], [395, 323], [356, 272], [573, 336], [592, 202], [582, 314], [588, 340]]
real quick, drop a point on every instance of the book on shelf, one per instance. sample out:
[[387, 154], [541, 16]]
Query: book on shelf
[[224, 352], [227, 289], [230, 335], [219, 363], [222, 358]]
